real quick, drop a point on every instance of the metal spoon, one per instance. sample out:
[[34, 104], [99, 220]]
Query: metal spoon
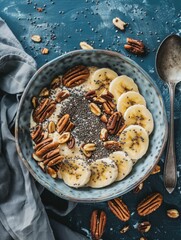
[[168, 64]]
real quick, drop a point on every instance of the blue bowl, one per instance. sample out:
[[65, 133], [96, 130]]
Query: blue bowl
[[121, 65]]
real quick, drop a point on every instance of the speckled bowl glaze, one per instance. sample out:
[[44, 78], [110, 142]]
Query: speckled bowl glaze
[[122, 65]]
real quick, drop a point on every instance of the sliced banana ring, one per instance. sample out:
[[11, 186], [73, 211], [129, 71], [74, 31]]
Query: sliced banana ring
[[134, 141], [139, 115], [104, 172], [129, 99], [102, 77], [75, 172], [121, 85], [123, 162]]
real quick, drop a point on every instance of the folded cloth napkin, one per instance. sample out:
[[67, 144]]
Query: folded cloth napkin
[[22, 214]]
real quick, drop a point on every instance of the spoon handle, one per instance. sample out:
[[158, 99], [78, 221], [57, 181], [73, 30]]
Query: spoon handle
[[170, 172]]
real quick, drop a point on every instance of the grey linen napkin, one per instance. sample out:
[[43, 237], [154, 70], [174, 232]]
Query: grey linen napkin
[[22, 214]]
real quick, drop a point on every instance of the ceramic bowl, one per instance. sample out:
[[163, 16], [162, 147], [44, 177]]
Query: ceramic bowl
[[122, 65]]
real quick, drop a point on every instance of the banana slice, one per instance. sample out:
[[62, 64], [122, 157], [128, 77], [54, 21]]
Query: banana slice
[[134, 141], [129, 99], [104, 172], [75, 172], [139, 115], [121, 85], [123, 162], [101, 78]]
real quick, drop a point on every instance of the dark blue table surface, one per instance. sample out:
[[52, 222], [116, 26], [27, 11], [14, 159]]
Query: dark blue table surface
[[62, 26]]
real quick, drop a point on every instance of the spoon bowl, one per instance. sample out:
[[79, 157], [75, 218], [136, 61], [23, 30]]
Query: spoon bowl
[[168, 59], [168, 65]]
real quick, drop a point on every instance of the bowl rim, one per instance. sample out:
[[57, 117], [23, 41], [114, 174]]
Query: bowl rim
[[117, 193]]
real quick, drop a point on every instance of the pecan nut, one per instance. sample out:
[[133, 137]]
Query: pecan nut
[[34, 101], [45, 149], [103, 118], [144, 227], [51, 127], [95, 109], [90, 95], [120, 209], [55, 83], [108, 96], [156, 169], [150, 204], [64, 124], [173, 213], [108, 107], [99, 100], [97, 224], [112, 145], [37, 134], [89, 147], [64, 137], [115, 122], [44, 110], [75, 76], [104, 134], [71, 142], [62, 95], [52, 172], [44, 92], [135, 46], [88, 154]]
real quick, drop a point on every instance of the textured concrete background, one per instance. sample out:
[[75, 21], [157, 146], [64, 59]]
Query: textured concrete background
[[62, 25]]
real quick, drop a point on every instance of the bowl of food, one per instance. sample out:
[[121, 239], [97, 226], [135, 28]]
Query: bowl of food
[[91, 125]]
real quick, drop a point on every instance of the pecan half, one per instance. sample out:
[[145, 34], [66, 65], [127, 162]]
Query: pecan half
[[108, 96], [37, 134], [156, 169], [89, 147], [75, 76], [34, 101], [45, 92], [135, 46], [43, 143], [144, 227], [52, 172], [173, 213], [104, 134], [71, 142], [45, 149], [112, 145], [90, 95], [88, 154], [120, 209], [115, 122], [95, 109], [150, 204], [51, 127], [98, 100], [55, 83], [44, 110], [108, 107], [97, 224], [103, 118], [64, 137], [53, 158], [62, 95], [64, 124]]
